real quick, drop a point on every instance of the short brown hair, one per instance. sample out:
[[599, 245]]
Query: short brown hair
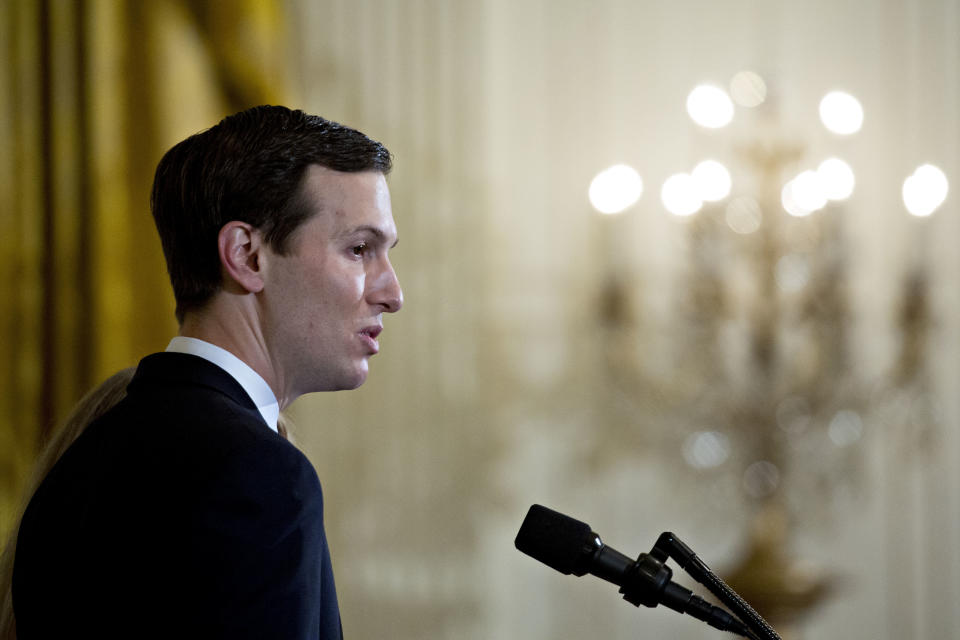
[[249, 167]]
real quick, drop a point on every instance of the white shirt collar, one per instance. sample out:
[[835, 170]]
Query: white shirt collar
[[251, 381]]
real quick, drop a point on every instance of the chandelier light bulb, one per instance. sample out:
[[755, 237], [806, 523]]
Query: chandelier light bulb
[[712, 180], [803, 195], [841, 113], [789, 202], [710, 106], [680, 195], [837, 179], [748, 89], [706, 449], [808, 191], [615, 189], [846, 428], [792, 273], [925, 190], [744, 215]]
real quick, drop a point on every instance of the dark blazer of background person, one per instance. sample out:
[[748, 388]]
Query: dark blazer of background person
[[161, 521]]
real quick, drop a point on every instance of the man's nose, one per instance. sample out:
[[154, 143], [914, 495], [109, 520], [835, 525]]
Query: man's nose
[[386, 290]]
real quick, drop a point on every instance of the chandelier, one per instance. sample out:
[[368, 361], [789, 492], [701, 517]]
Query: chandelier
[[760, 397]]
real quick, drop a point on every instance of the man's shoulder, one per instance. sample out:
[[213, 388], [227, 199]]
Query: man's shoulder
[[185, 420], [171, 376], [193, 427], [173, 462]]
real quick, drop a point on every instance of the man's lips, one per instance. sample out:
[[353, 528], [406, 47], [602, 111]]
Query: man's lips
[[369, 335]]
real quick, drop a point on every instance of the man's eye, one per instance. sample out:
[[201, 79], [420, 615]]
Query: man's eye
[[360, 249]]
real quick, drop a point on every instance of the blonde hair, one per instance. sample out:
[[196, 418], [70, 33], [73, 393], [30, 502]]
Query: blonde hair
[[285, 427], [94, 404]]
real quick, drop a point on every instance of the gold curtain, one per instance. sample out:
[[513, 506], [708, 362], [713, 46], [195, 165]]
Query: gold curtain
[[92, 92]]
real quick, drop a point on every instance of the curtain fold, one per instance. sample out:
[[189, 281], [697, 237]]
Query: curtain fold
[[92, 93]]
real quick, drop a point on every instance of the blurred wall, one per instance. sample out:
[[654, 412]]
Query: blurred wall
[[494, 390]]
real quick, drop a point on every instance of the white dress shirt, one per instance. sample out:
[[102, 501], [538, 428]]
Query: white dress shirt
[[255, 386]]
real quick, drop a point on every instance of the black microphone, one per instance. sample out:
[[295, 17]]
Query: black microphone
[[571, 547]]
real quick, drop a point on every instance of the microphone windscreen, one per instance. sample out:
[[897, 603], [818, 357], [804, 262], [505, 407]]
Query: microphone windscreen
[[556, 540]]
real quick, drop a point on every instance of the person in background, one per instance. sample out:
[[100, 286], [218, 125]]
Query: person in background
[[181, 511], [90, 407]]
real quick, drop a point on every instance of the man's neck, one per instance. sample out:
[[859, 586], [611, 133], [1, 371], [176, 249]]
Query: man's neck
[[224, 326], [253, 383]]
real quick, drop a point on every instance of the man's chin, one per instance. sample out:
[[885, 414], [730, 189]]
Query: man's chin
[[341, 381], [357, 385], [356, 379]]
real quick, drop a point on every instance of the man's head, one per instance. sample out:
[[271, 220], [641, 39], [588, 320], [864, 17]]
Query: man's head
[[249, 167], [276, 227]]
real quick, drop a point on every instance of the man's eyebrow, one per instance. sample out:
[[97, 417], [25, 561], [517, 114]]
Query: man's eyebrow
[[377, 232]]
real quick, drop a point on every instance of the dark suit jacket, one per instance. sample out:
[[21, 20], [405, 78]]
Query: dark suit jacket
[[177, 514]]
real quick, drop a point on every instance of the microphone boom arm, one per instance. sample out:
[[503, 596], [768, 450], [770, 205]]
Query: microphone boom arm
[[668, 545], [649, 583]]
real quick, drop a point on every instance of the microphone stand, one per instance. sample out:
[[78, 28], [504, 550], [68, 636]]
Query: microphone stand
[[648, 583]]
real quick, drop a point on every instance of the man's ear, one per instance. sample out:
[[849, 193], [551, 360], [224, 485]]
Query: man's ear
[[240, 245]]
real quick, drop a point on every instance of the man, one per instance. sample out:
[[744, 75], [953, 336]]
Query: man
[[182, 512]]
